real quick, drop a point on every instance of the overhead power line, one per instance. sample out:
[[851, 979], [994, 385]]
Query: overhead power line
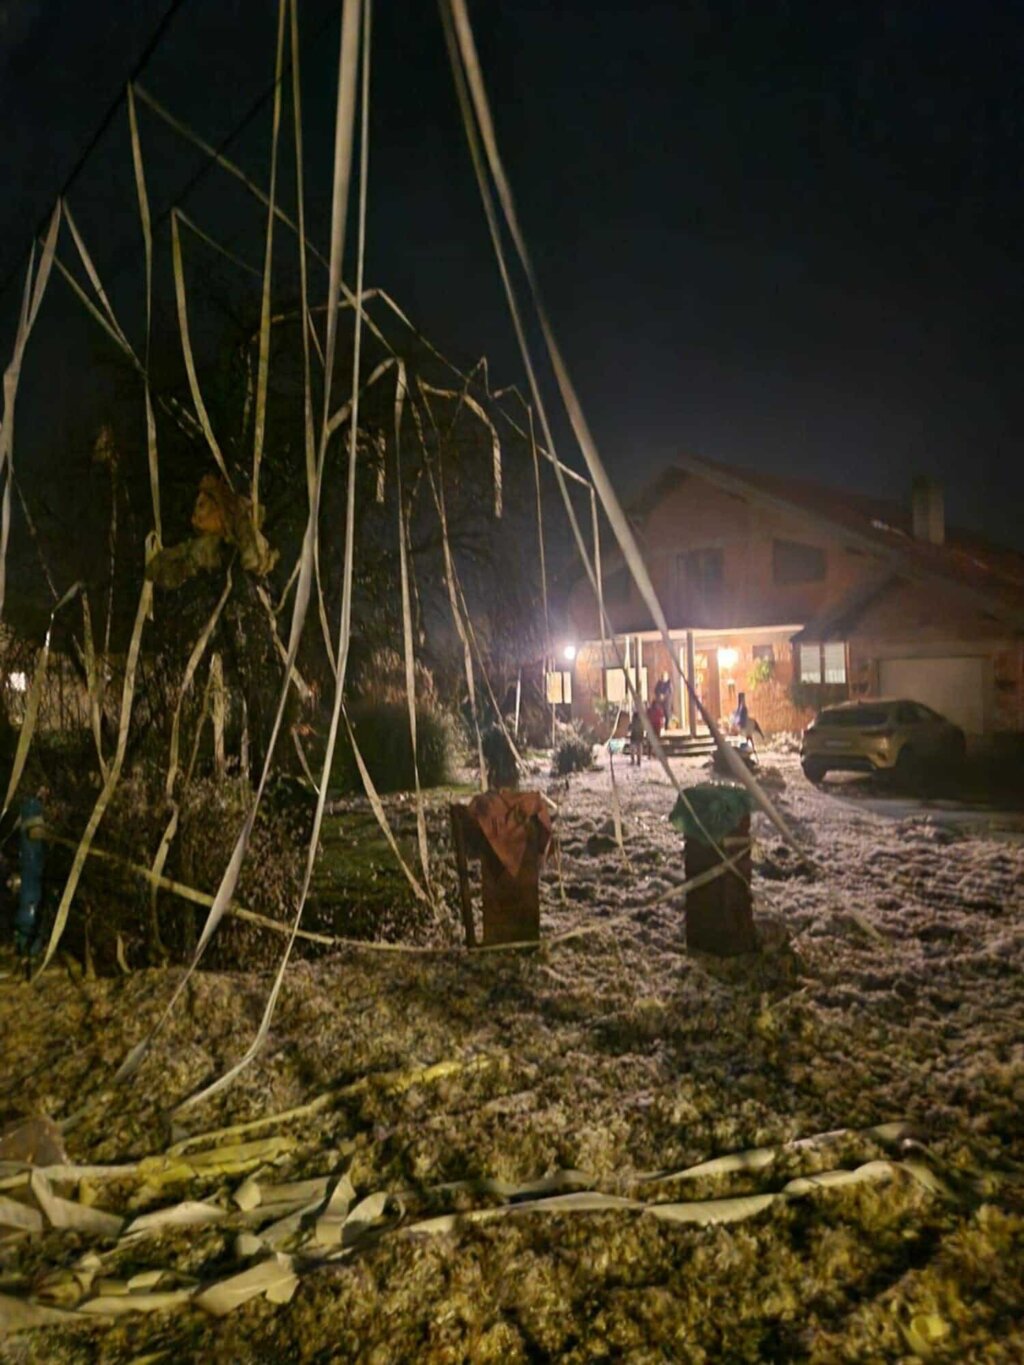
[[120, 257], [104, 124]]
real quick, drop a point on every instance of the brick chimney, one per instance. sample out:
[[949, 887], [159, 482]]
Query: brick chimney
[[928, 516]]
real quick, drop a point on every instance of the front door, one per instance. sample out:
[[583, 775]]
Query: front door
[[705, 684]]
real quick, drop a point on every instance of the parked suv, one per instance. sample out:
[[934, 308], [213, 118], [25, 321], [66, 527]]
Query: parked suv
[[870, 736]]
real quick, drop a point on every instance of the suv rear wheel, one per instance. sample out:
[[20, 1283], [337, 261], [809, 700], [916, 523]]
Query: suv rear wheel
[[814, 769], [909, 769]]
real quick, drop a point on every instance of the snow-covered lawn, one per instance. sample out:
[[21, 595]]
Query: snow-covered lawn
[[890, 989]]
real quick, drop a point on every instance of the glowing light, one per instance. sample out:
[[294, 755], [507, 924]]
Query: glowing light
[[18, 682], [569, 653], [727, 658]]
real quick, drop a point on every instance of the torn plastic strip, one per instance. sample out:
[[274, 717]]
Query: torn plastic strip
[[32, 297], [214, 245], [147, 237], [186, 347], [92, 683], [32, 700], [263, 360], [114, 770], [194, 659], [192, 894], [465, 398], [453, 600], [461, 51], [595, 522], [456, 10], [379, 813], [90, 270], [344, 125], [408, 654]]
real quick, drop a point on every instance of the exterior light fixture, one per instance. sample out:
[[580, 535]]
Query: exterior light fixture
[[727, 658], [18, 681], [569, 653]]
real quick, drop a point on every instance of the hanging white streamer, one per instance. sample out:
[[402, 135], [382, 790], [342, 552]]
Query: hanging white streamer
[[613, 508], [347, 82], [263, 362], [32, 297]]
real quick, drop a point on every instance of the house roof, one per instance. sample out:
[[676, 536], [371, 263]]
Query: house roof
[[966, 562]]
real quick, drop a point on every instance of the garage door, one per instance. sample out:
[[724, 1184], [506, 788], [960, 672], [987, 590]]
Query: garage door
[[953, 687]]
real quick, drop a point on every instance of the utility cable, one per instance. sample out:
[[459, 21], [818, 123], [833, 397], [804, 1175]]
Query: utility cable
[[105, 122]]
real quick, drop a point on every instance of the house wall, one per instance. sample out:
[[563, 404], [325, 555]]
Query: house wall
[[914, 622], [697, 515], [905, 621], [769, 702]]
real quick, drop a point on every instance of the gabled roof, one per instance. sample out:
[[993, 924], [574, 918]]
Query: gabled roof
[[966, 563]]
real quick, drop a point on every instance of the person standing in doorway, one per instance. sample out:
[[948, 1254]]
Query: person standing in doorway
[[663, 694], [743, 723]]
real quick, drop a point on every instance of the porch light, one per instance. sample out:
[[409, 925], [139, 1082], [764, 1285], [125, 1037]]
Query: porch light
[[569, 653], [727, 657], [18, 681]]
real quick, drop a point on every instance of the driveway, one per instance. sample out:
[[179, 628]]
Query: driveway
[[994, 814]]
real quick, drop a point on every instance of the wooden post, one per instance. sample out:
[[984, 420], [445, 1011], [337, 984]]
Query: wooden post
[[719, 914], [456, 814], [691, 668]]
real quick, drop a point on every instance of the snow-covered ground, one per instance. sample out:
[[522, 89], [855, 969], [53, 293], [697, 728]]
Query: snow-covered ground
[[889, 989]]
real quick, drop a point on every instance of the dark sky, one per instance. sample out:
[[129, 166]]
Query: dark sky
[[785, 235]]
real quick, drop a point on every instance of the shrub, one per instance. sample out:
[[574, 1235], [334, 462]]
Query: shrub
[[112, 918], [573, 751], [813, 696], [762, 672], [382, 733], [379, 676], [502, 768]]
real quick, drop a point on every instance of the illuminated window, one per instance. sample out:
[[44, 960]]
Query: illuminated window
[[796, 563], [810, 663], [558, 687], [823, 663], [615, 684], [764, 652], [835, 662]]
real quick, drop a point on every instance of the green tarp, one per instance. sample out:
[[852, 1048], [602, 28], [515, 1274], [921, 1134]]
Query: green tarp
[[718, 808]]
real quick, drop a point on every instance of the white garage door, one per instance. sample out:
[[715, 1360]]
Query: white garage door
[[953, 687]]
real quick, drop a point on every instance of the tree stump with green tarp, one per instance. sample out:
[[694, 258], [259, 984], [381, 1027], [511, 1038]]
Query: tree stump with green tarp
[[714, 819]]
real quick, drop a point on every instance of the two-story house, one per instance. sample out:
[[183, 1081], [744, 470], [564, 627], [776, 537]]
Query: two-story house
[[796, 594]]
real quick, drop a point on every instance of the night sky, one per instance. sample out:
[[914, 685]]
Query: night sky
[[778, 235]]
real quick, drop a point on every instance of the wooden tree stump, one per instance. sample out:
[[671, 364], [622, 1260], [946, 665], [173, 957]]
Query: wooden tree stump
[[719, 914], [508, 832]]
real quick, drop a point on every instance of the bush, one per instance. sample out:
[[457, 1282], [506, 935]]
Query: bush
[[112, 917], [813, 696], [502, 768], [762, 673], [573, 751], [382, 733]]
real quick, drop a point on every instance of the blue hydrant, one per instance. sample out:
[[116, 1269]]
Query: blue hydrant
[[33, 861]]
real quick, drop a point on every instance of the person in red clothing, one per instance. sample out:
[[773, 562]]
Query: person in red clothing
[[656, 719]]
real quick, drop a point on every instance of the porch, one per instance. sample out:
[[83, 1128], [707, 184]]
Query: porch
[[757, 661]]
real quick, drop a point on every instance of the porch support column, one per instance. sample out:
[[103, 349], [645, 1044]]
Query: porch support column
[[691, 710]]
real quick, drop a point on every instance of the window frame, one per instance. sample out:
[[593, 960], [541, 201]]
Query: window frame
[[824, 675], [565, 686], [639, 684]]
